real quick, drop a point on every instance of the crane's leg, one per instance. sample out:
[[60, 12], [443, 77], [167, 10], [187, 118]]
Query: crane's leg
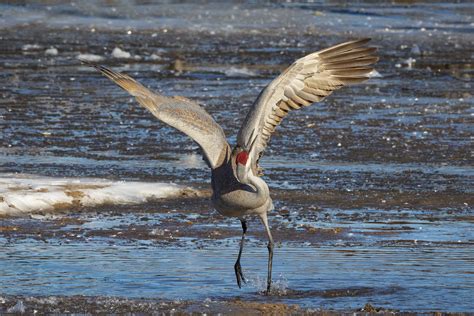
[[238, 269], [270, 252]]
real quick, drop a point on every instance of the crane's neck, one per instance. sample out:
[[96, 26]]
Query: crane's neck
[[246, 176], [230, 177]]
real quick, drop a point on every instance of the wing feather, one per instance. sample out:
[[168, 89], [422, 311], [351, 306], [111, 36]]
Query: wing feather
[[309, 79], [178, 112]]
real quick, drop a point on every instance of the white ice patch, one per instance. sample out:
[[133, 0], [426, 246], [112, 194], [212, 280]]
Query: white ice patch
[[410, 62], [52, 51], [30, 47], [239, 72], [287, 185], [374, 74], [24, 194], [118, 53], [90, 57], [155, 57]]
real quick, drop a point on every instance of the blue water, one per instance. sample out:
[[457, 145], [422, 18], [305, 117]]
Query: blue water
[[387, 163], [411, 278]]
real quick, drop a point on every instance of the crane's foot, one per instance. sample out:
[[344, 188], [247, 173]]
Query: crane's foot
[[270, 261], [267, 292], [238, 269], [239, 275]]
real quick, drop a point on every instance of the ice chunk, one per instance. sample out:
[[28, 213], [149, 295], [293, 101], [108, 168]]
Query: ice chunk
[[90, 57], [155, 57], [239, 72], [410, 62], [118, 53], [30, 47], [52, 51], [375, 74]]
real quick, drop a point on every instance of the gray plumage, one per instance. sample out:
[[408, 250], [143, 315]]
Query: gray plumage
[[237, 189]]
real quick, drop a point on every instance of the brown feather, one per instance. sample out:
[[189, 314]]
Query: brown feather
[[341, 48], [361, 71], [351, 55], [364, 61]]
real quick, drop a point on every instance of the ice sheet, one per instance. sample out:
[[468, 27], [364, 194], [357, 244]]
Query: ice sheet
[[24, 193]]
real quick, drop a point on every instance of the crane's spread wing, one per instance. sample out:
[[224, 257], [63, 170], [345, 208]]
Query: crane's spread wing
[[178, 112], [309, 79]]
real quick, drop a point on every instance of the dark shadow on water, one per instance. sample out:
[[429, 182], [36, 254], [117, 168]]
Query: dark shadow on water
[[330, 293], [349, 292]]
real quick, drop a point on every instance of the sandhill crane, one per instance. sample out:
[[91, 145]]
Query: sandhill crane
[[238, 189]]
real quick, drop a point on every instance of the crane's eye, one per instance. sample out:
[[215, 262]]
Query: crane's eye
[[242, 157]]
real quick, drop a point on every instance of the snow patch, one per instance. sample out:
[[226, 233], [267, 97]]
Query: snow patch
[[24, 194], [118, 53]]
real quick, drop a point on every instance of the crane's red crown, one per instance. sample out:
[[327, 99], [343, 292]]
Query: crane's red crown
[[242, 157]]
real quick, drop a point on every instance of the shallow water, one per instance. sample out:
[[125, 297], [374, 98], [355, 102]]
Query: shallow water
[[396, 265], [372, 187]]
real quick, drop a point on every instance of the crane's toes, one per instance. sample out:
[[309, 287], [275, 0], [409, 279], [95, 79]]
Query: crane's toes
[[239, 275]]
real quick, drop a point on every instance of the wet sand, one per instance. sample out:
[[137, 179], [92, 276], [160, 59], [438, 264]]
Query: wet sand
[[95, 305]]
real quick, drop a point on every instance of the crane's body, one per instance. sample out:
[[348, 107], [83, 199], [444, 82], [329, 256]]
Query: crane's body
[[238, 189], [238, 195]]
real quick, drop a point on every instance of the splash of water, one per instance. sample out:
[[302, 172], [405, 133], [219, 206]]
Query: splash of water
[[279, 285]]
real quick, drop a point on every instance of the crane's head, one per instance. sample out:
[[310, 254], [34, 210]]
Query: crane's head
[[242, 158], [242, 164]]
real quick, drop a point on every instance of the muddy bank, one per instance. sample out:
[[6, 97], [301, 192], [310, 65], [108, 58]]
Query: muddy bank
[[99, 305]]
